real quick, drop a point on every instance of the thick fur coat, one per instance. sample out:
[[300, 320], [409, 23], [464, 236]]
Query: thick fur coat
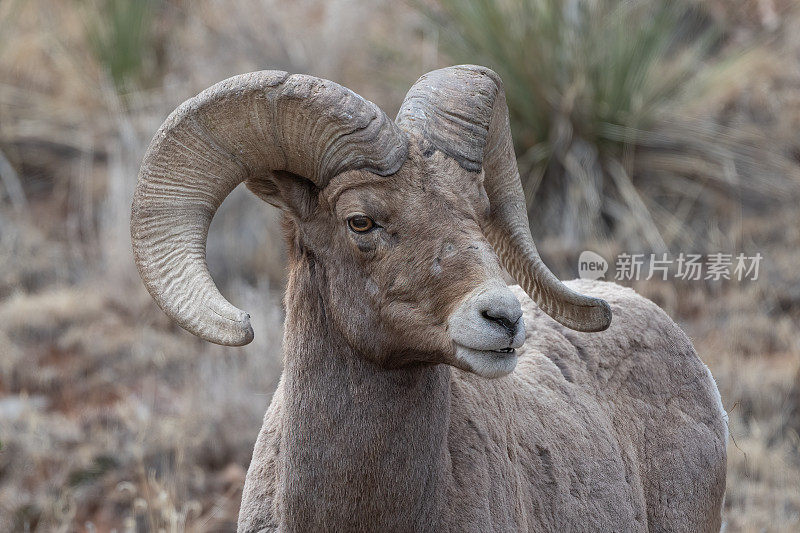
[[622, 430]]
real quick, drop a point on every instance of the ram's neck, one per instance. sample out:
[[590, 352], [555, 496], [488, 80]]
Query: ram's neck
[[364, 448]]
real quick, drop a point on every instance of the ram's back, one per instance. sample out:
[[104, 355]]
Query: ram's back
[[621, 430]]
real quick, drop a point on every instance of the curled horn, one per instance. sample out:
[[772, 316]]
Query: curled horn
[[242, 129], [462, 112]]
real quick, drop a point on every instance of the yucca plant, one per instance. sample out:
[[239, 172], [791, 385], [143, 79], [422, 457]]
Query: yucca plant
[[119, 32], [603, 96]]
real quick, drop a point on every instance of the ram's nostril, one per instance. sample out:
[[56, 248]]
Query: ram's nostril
[[508, 322]]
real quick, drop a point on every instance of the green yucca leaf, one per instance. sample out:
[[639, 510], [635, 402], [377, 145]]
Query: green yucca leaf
[[119, 34]]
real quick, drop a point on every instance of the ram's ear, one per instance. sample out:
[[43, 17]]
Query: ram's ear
[[287, 191]]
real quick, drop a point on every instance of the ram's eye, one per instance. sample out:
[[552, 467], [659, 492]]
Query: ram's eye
[[360, 223]]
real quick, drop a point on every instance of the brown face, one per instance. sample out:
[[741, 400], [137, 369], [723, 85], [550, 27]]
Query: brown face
[[407, 264]]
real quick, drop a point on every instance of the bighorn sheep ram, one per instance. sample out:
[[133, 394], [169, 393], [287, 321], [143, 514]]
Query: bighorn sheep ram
[[397, 313]]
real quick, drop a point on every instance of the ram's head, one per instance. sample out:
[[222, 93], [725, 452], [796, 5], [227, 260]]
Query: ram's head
[[404, 227]]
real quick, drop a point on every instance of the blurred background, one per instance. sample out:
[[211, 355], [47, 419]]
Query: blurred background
[[640, 126]]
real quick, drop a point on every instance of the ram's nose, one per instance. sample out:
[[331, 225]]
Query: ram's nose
[[501, 310], [489, 319]]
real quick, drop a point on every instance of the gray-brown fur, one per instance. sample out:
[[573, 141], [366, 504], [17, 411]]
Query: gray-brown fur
[[614, 431], [384, 419]]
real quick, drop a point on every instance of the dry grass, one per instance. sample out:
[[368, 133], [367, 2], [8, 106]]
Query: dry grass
[[112, 417]]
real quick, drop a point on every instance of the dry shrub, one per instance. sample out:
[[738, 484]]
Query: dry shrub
[[609, 103]]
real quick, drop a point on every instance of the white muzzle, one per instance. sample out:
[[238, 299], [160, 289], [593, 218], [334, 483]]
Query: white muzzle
[[487, 328]]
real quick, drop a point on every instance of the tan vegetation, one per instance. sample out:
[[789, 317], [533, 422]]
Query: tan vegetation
[[113, 417]]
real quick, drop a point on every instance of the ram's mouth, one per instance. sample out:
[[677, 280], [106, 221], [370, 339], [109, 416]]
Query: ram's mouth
[[502, 352], [487, 363], [508, 350]]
